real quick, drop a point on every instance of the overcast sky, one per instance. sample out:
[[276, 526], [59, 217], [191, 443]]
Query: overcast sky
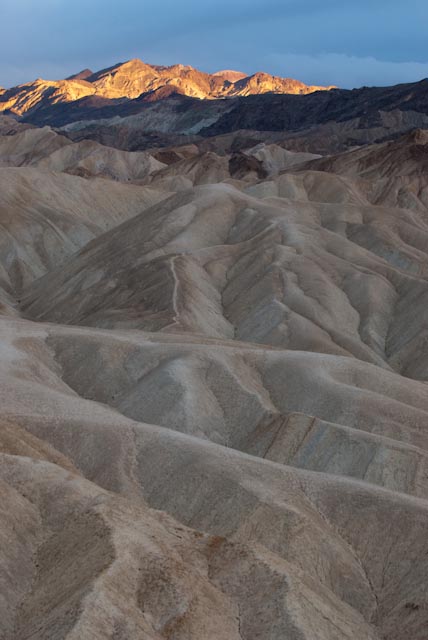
[[348, 43]]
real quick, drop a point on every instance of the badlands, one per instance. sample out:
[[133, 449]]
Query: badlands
[[214, 370]]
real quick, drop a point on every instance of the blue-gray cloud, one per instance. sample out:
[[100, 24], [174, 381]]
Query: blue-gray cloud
[[339, 42]]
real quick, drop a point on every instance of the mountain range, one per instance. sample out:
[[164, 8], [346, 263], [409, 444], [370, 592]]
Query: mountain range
[[214, 366], [134, 106], [134, 78]]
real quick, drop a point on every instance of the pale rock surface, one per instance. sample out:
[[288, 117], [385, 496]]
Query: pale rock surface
[[213, 391]]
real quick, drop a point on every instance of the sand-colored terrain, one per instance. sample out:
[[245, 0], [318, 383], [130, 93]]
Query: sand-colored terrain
[[213, 388]]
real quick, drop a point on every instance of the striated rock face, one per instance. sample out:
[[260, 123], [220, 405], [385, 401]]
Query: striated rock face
[[28, 97], [265, 83], [133, 78], [213, 383]]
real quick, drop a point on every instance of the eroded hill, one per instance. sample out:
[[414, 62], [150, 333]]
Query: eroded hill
[[214, 391]]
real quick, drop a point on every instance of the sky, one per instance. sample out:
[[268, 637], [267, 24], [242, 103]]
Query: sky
[[348, 43]]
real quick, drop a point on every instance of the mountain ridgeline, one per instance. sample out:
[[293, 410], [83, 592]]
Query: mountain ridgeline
[[132, 79]]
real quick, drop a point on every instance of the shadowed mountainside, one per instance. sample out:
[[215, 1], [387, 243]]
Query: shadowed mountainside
[[321, 122], [135, 106]]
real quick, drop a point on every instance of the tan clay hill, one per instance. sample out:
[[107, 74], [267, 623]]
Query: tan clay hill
[[213, 386], [133, 78]]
